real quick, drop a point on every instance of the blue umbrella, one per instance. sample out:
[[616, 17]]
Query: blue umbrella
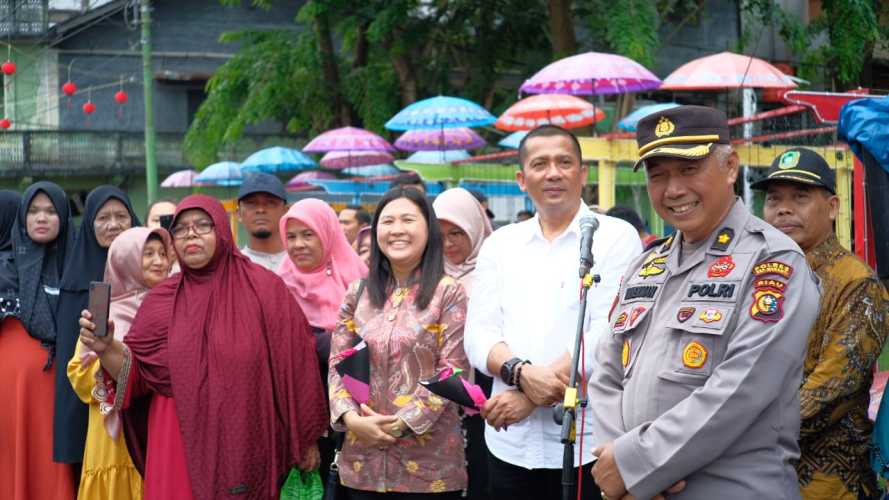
[[224, 173], [372, 171], [513, 139], [277, 159], [629, 122], [441, 112], [438, 157]]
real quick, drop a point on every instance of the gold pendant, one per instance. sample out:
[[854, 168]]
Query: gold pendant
[[398, 296]]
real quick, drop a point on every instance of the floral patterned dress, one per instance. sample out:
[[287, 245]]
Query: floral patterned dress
[[405, 345]]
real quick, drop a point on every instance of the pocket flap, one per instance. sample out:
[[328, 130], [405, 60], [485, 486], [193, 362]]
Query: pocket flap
[[683, 377], [628, 317], [707, 318]]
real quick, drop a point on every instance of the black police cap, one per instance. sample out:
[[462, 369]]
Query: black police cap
[[800, 165], [684, 132]]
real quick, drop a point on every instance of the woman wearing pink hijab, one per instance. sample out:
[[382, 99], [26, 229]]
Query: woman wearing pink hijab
[[138, 260], [464, 227]]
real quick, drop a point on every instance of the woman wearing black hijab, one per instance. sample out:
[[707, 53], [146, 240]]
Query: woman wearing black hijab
[[108, 213], [32, 252]]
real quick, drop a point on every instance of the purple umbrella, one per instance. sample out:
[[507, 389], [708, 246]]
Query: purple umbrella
[[347, 139], [303, 181], [439, 140], [346, 159], [591, 73]]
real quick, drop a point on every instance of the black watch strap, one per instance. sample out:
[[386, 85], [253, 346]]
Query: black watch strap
[[506, 371]]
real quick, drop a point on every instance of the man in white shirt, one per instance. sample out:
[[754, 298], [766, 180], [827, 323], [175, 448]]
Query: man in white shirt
[[262, 202], [522, 317]]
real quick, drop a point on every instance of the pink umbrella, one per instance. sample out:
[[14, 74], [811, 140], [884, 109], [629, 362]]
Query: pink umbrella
[[303, 181], [443, 139], [180, 179], [347, 139], [346, 159], [565, 111], [727, 70], [591, 73]]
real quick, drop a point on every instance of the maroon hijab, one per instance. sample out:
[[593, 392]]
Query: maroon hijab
[[234, 350]]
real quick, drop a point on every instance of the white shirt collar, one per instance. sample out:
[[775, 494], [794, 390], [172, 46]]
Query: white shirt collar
[[535, 231]]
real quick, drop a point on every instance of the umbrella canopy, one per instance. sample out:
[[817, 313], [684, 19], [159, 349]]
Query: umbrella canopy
[[372, 171], [346, 159], [513, 140], [630, 121], [563, 110], [303, 181], [347, 139], [437, 157], [439, 140], [591, 73], [180, 179], [441, 112], [224, 173], [277, 159], [727, 70]]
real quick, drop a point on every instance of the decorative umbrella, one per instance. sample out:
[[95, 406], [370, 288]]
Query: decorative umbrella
[[180, 179], [513, 140], [439, 140], [591, 73], [372, 171], [346, 159], [303, 181], [224, 173], [727, 70], [563, 110], [437, 157], [347, 139], [630, 121], [277, 159], [440, 112]]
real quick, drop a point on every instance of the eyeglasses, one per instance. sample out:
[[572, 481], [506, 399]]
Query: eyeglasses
[[201, 227]]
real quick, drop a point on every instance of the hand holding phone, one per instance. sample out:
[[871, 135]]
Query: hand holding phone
[[99, 305]]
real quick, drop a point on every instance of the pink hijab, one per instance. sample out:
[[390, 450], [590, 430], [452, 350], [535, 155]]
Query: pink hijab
[[461, 209], [320, 292]]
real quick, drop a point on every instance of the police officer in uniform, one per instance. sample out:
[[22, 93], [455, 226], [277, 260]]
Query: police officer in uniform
[[698, 379]]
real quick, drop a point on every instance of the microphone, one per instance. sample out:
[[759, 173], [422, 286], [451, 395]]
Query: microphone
[[588, 226]]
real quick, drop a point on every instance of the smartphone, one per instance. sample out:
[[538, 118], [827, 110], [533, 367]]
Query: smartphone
[[166, 221], [100, 303]]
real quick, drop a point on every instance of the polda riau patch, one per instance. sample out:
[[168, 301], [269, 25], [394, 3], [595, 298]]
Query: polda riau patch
[[768, 302]]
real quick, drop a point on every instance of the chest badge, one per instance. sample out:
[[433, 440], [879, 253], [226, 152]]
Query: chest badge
[[635, 314], [710, 316], [721, 267], [684, 313], [621, 322], [653, 266], [625, 353], [694, 355]]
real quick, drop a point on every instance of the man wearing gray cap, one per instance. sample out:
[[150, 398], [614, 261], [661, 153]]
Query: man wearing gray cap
[[698, 379], [262, 202], [835, 431]]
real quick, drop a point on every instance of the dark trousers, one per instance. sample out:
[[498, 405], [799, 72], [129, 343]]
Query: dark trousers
[[373, 495], [518, 483]]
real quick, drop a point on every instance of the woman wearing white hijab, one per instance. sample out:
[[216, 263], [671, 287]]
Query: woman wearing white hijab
[[464, 227]]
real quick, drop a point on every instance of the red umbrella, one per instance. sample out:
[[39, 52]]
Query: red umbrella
[[727, 70], [566, 111]]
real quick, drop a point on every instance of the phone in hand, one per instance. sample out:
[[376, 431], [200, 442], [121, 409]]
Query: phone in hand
[[166, 221], [99, 305]]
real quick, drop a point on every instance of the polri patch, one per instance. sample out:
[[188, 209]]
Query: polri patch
[[684, 313], [694, 355], [721, 267], [767, 303], [723, 239], [772, 267], [625, 353], [712, 290], [640, 292]]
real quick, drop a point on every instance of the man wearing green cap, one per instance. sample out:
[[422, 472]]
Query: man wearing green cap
[[698, 378], [847, 338]]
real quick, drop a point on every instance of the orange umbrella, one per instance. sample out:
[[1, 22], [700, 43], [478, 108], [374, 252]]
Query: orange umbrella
[[727, 70], [563, 110]]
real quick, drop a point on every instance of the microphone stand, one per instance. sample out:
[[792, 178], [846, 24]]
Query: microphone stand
[[565, 413]]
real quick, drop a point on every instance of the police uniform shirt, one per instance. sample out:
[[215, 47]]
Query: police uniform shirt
[[700, 375]]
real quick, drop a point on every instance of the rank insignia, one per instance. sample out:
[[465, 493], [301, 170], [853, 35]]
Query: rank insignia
[[621, 322], [721, 267], [694, 355], [634, 315], [684, 313], [653, 266], [710, 316], [723, 239], [625, 353], [767, 302], [772, 267]]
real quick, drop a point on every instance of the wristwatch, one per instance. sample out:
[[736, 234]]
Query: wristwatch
[[506, 371]]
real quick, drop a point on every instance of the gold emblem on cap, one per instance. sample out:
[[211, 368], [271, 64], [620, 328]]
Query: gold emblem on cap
[[789, 159], [664, 127]]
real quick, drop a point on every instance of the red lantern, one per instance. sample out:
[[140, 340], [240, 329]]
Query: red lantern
[[8, 67], [121, 97], [5, 123], [69, 88], [89, 107]]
